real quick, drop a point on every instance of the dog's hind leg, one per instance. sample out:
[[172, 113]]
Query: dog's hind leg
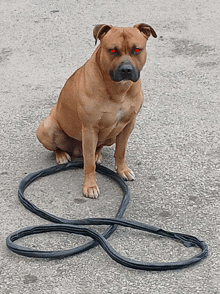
[[62, 156], [98, 155], [55, 139]]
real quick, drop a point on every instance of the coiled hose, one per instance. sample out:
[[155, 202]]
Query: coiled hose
[[76, 227]]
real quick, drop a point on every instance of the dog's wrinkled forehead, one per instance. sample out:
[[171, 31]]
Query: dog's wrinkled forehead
[[139, 33], [123, 38]]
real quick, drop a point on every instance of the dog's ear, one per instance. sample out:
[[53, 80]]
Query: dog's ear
[[146, 30], [100, 30]]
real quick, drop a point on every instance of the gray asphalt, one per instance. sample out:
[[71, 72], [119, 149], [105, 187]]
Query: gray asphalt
[[174, 149]]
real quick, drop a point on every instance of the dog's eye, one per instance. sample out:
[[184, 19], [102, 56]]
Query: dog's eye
[[137, 50], [114, 51]]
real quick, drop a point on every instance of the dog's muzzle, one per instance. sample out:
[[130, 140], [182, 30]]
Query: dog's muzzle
[[125, 71]]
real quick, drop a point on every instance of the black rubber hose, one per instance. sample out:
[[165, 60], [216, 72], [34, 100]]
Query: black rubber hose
[[76, 227]]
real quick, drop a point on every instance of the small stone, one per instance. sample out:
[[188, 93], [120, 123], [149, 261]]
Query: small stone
[[79, 200]]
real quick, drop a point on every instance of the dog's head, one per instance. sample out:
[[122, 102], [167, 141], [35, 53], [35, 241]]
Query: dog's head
[[123, 50]]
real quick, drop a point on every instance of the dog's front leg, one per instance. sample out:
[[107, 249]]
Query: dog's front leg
[[121, 143], [89, 144]]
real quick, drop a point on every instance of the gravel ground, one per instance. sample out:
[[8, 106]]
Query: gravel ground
[[177, 164]]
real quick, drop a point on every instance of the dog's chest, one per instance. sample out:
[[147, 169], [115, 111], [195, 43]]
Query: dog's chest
[[120, 115], [112, 117], [114, 120]]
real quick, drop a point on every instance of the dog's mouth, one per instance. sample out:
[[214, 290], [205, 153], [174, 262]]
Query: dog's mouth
[[125, 72]]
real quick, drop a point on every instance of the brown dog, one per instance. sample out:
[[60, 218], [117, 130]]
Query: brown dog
[[99, 103]]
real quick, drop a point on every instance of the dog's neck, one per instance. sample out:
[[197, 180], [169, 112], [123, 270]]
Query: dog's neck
[[117, 90]]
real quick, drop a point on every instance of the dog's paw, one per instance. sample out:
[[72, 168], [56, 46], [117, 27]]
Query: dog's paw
[[125, 173], [62, 157], [98, 158], [91, 191]]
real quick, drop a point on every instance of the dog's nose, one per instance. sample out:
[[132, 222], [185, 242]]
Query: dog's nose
[[126, 70]]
